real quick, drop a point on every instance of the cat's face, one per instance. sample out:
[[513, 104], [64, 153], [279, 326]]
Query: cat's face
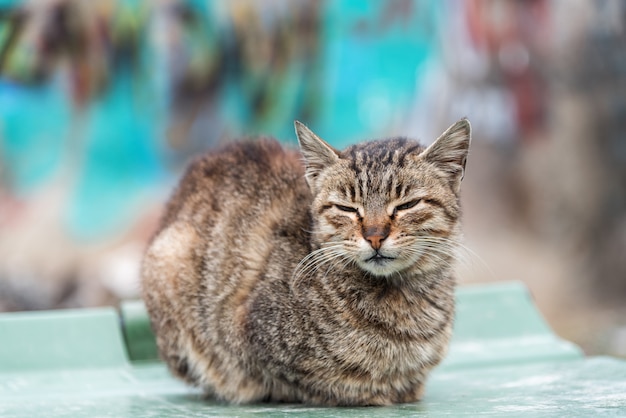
[[387, 206]]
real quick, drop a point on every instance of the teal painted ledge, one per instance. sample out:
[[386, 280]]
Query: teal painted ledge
[[503, 361]]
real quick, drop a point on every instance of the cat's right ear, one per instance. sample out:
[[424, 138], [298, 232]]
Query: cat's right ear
[[317, 153]]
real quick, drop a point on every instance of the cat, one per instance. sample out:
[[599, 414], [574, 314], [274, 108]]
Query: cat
[[323, 277]]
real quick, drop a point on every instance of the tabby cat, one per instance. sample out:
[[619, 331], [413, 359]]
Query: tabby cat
[[322, 277]]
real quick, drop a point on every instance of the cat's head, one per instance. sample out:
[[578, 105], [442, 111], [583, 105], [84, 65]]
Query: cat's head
[[386, 206]]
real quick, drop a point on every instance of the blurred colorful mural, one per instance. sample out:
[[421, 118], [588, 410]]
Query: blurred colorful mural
[[103, 102]]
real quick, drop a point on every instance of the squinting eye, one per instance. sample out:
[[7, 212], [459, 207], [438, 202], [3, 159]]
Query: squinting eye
[[408, 205], [346, 208]]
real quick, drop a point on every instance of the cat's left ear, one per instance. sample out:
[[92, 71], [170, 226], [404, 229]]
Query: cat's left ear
[[317, 153], [450, 151]]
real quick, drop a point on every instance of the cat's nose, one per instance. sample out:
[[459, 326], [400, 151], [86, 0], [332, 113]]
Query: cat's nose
[[376, 235]]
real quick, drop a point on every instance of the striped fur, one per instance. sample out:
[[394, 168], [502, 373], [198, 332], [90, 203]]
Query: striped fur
[[334, 290]]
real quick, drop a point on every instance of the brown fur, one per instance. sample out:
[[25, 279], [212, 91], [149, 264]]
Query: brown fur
[[263, 286]]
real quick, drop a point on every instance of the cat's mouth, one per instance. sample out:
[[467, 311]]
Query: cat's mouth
[[379, 259], [380, 264]]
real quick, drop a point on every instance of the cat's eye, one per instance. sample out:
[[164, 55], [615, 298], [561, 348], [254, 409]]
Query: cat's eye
[[347, 208], [407, 205]]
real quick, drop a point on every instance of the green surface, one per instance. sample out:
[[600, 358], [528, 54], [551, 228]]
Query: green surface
[[137, 333], [503, 361], [53, 340]]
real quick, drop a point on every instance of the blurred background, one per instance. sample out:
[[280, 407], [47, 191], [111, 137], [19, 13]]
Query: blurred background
[[103, 102]]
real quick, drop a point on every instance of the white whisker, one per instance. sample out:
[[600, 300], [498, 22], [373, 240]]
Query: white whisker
[[329, 254], [454, 249]]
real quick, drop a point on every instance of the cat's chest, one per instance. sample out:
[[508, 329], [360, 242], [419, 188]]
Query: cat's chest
[[394, 314], [393, 332], [384, 354]]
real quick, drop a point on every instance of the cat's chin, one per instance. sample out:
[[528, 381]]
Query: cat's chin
[[380, 267]]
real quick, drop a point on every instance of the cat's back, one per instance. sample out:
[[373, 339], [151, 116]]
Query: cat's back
[[244, 176]]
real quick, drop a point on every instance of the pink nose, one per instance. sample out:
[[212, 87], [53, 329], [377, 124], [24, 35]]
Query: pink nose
[[375, 236]]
